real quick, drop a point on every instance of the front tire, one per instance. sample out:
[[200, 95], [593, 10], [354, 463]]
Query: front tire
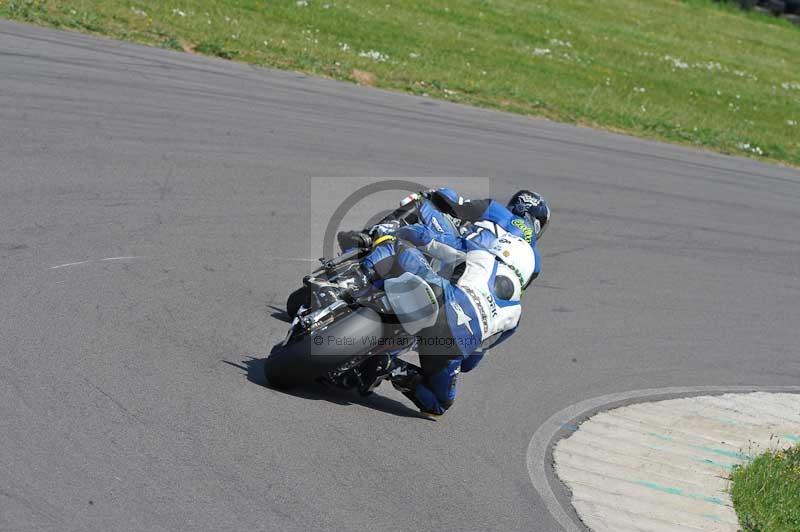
[[299, 298]]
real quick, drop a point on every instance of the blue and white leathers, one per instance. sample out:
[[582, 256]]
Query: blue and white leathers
[[475, 316], [489, 219]]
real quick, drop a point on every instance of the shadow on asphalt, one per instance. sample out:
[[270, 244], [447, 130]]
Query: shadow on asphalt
[[254, 368], [280, 314]]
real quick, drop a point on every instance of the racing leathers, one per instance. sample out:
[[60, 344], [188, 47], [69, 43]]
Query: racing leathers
[[472, 319], [489, 219]]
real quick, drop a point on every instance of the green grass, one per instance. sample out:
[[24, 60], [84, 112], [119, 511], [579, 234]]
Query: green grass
[[689, 71], [766, 492]]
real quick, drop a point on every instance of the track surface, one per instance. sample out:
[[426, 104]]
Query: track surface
[[663, 267]]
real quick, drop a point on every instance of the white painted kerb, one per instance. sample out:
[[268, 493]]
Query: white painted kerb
[[664, 466]]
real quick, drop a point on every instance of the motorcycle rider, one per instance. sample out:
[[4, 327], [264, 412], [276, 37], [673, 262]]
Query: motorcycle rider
[[499, 259], [478, 310]]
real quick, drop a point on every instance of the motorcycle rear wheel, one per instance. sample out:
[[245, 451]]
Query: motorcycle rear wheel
[[316, 354]]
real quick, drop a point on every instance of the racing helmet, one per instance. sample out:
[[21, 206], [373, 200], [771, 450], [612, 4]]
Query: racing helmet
[[533, 208], [517, 264]]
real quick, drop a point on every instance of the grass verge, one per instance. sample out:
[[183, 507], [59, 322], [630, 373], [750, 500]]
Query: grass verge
[[689, 71], [766, 492]]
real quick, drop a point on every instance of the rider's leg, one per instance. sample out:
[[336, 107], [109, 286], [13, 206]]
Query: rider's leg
[[380, 261], [432, 386], [412, 260], [390, 259], [386, 226]]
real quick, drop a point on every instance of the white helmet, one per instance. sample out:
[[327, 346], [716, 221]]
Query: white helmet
[[517, 255]]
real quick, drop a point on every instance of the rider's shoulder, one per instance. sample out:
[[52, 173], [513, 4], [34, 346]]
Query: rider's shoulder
[[497, 212]]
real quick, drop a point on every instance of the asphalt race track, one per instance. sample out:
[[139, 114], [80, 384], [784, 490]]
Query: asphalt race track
[[130, 394]]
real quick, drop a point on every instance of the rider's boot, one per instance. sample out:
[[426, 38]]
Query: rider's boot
[[405, 378], [353, 239], [384, 231], [377, 234], [374, 371]]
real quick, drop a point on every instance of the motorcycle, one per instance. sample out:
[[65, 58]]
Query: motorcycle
[[341, 319]]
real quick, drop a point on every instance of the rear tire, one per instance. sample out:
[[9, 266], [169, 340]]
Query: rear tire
[[315, 355]]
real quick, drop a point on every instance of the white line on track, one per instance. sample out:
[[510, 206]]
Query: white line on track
[[539, 455], [68, 264], [294, 259]]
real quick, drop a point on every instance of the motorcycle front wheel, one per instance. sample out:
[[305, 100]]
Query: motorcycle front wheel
[[299, 298]]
